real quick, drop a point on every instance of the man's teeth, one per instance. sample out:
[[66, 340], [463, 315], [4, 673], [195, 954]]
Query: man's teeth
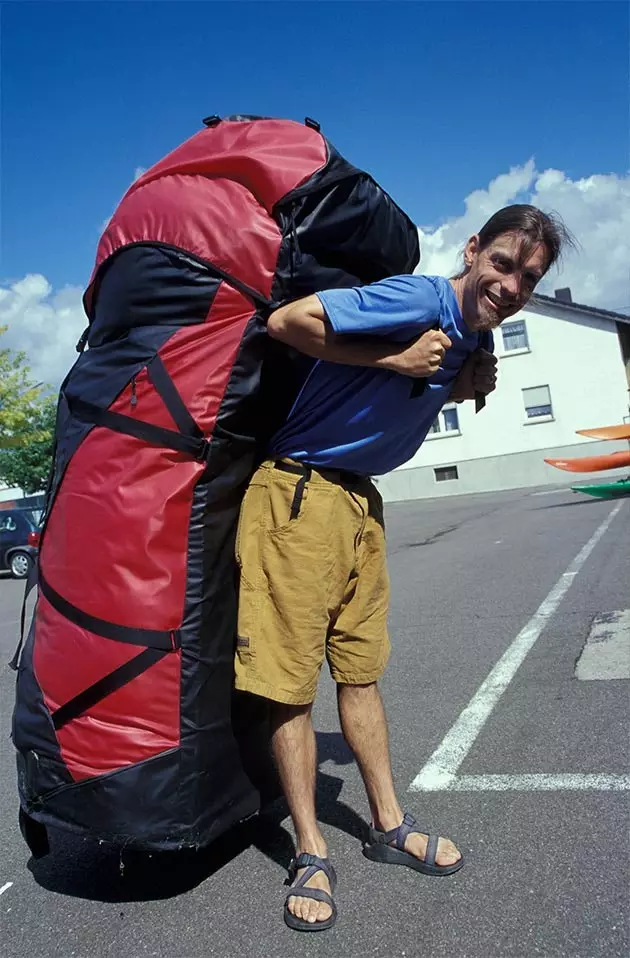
[[493, 299]]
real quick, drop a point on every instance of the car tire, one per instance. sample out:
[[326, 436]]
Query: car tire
[[20, 564]]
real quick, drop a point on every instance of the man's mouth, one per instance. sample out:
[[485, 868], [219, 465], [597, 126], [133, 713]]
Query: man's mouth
[[497, 304]]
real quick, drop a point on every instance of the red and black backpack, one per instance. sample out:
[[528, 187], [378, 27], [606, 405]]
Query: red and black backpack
[[126, 725]]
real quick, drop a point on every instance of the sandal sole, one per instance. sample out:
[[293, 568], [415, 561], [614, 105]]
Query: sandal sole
[[298, 924], [394, 856]]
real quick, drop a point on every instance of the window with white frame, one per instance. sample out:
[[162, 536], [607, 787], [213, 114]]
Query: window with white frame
[[514, 336], [537, 401], [446, 422]]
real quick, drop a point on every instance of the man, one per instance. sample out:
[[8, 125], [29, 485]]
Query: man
[[311, 543]]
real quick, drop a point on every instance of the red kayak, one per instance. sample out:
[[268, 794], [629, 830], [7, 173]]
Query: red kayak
[[612, 460], [607, 432]]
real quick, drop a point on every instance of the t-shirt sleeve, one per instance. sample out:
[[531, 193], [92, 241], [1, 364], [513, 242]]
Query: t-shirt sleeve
[[399, 304]]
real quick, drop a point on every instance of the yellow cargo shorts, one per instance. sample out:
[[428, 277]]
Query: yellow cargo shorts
[[313, 582]]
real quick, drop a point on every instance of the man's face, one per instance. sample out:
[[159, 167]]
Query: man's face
[[500, 279]]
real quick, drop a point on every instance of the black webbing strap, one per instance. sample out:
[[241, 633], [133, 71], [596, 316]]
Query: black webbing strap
[[169, 395], [156, 435], [300, 486], [105, 686], [165, 641], [31, 582], [304, 472]]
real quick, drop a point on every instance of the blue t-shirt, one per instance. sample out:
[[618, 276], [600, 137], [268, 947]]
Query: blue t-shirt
[[365, 420]]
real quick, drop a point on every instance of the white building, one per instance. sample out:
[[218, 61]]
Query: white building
[[562, 367]]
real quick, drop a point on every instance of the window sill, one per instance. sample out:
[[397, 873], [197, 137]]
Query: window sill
[[443, 435], [537, 419], [515, 352]]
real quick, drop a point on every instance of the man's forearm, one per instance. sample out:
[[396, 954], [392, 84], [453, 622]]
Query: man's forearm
[[304, 326]]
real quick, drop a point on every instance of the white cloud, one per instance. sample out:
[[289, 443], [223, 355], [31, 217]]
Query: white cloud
[[43, 323], [46, 324], [596, 209]]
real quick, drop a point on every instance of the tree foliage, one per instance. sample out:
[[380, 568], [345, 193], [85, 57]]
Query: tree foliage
[[27, 466], [27, 423]]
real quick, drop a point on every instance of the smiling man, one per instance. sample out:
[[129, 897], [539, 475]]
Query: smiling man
[[311, 541]]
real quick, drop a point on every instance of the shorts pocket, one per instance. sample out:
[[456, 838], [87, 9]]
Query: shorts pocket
[[286, 503]]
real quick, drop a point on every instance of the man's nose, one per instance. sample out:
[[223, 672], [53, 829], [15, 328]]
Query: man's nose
[[511, 286]]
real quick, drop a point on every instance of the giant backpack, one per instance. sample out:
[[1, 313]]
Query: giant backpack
[[125, 724]]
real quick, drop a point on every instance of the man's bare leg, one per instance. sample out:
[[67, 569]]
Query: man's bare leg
[[295, 752], [364, 727]]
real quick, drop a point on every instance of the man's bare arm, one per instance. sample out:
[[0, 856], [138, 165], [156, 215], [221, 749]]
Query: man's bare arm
[[304, 326]]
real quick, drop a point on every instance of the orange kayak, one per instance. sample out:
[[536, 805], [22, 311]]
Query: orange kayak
[[607, 432], [613, 460]]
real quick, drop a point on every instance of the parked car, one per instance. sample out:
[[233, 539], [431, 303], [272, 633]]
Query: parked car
[[19, 540]]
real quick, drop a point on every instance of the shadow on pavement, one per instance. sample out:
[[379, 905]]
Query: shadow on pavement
[[590, 501], [83, 868]]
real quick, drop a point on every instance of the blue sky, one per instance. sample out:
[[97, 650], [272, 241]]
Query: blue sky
[[456, 108], [435, 99]]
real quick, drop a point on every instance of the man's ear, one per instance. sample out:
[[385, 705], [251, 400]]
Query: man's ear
[[470, 250]]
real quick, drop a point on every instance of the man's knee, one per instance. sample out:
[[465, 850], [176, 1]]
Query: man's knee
[[357, 692], [282, 712]]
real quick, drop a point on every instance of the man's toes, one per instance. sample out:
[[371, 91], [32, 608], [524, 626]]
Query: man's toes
[[295, 906], [312, 913], [447, 852]]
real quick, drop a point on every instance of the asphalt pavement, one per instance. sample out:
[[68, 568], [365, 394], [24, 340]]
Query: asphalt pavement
[[526, 770]]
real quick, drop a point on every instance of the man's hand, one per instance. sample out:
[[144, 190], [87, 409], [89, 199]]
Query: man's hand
[[477, 375], [421, 358]]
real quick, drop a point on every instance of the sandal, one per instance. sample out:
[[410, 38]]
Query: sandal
[[389, 847], [313, 864]]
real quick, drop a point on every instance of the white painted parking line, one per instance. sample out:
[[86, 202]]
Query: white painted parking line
[[441, 769], [5, 887], [539, 783]]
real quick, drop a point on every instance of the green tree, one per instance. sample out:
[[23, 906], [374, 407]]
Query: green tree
[[21, 400], [27, 424], [27, 466]]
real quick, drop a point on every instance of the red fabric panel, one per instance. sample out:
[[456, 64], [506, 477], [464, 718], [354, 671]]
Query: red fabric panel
[[214, 194], [218, 220], [269, 157], [139, 720], [116, 540], [117, 536]]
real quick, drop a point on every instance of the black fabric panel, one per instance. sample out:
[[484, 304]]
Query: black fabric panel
[[39, 764], [212, 775], [109, 683], [149, 285], [119, 633], [341, 231], [141, 806]]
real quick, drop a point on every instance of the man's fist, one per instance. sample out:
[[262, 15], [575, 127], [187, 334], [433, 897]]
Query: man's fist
[[477, 375], [423, 357]]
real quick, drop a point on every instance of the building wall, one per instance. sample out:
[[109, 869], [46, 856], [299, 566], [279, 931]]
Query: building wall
[[512, 471], [500, 448]]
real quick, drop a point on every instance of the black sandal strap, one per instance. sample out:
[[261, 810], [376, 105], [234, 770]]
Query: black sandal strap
[[431, 852], [317, 894], [312, 863]]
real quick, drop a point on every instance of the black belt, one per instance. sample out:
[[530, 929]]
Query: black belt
[[338, 476], [333, 475]]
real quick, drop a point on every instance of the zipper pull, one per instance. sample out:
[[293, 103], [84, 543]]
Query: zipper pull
[[134, 398]]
